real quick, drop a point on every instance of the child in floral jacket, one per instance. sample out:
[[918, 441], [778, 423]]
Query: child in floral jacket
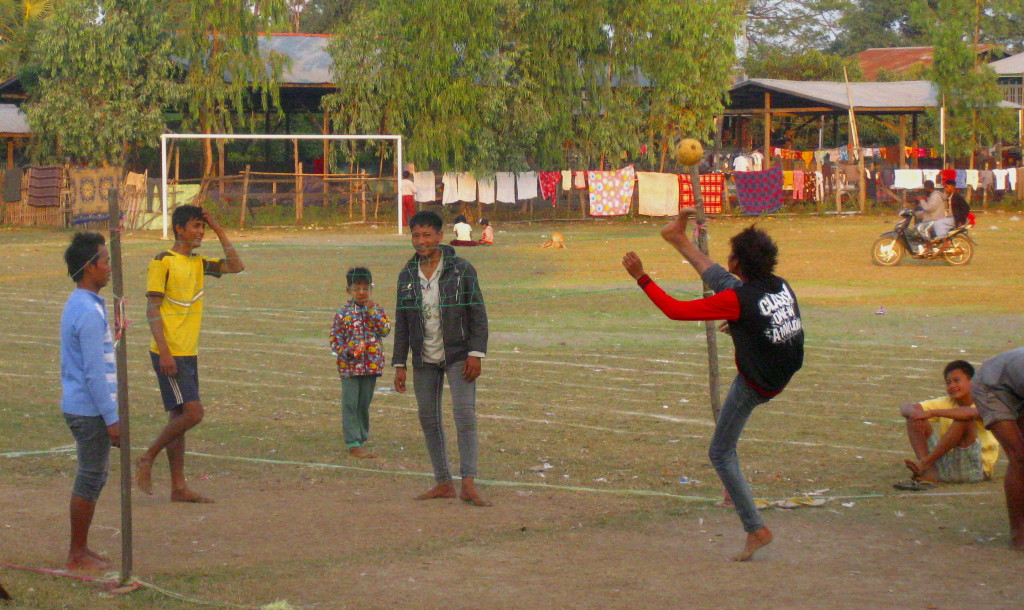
[[356, 338]]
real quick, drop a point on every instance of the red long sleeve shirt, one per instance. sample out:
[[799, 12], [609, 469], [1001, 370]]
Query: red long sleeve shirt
[[722, 306]]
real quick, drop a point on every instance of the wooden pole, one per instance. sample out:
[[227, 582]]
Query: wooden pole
[[121, 363], [767, 130], [245, 197], [709, 326], [362, 192], [298, 181], [10, 154]]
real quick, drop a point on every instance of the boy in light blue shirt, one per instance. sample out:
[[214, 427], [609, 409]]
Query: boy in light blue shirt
[[89, 388]]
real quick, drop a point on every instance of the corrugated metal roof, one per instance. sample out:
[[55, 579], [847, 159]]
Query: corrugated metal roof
[[1009, 66], [909, 94], [12, 120], [900, 59], [311, 63]]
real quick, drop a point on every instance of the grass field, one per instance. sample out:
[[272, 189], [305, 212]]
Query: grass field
[[594, 424]]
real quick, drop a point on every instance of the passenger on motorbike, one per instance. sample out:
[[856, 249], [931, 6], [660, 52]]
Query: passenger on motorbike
[[958, 205]]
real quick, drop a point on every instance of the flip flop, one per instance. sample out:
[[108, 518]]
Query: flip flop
[[762, 504], [914, 485], [798, 501]]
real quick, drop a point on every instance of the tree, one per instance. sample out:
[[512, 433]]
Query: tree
[[507, 84], [20, 21], [104, 78], [225, 76], [969, 89]]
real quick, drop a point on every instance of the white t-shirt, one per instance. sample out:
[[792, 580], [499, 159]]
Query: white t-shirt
[[463, 232], [433, 339], [408, 187], [741, 164]]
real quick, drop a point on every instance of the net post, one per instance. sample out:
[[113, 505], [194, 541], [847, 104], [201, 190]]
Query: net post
[[709, 326], [121, 360]]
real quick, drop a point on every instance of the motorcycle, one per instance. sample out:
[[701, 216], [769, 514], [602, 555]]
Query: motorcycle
[[956, 247]]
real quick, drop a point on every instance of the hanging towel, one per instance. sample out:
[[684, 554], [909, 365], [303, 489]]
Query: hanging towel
[[549, 182], [611, 192], [999, 178], [988, 179], [946, 174], [711, 188], [819, 186], [44, 184], [424, 182], [1016, 180], [933, 175], [759, 192], [450, 188], [658, 193], [579, 180], [12, 185], [526, 185], [961, 178], [972, 178], [506, 183], [907, 179], [798, 184], [467, 187], [787, 180], [486, 188], [566, 180]]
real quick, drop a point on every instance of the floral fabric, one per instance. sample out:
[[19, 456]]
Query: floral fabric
[[355, 324], [611, 193]]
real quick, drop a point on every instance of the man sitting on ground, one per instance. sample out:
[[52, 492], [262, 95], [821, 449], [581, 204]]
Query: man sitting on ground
[[963, 451]]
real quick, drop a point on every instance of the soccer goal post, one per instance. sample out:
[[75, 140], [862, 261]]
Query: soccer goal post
[[266, 136]]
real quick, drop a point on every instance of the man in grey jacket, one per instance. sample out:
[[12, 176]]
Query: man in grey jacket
[[440, 317], [933, 208]]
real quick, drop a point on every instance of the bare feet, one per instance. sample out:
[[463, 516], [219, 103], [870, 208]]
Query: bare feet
[[441, 490], [470, 494], [360, 452], [755, 540], [86, 560], [144, 475], [920, 472], [187, 495]]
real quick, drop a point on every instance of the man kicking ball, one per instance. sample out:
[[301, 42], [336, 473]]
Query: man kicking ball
[[174, 294], [764, 322]]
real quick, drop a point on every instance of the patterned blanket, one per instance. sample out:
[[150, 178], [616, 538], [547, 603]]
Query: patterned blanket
[[89, 188], [44, 182], [611, 193], [711, 188], [759, 192]]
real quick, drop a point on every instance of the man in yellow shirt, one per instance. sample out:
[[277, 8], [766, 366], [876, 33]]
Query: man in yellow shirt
[[174, 294], [963, 451]]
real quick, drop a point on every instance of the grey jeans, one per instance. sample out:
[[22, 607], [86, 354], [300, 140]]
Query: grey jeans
[[92, 442], [428, 383], [736, 410]]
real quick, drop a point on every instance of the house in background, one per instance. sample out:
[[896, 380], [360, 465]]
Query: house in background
[[902, 60], [1010, 71]]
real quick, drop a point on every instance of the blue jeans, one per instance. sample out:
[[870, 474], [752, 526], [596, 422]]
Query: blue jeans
[[736, 410]]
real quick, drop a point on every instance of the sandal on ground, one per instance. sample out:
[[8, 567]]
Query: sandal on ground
[[914, 485]]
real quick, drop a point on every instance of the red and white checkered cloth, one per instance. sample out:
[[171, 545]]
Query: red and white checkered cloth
[[711, 188]]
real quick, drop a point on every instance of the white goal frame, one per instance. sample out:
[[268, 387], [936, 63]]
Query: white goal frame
[[266, 136]]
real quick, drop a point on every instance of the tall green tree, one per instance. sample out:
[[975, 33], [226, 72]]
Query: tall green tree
[[969, 88], [20, 21], [225, 77], [104, 79], [507, 84]]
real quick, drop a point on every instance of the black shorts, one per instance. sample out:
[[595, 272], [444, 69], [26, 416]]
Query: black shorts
[[182, 388]]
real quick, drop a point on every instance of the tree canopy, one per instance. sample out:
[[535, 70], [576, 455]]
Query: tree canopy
[[510, 84]]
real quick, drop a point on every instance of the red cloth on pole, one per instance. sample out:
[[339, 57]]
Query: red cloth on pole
[[711, 188]]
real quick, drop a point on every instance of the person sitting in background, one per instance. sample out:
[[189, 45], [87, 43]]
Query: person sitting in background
[[463, 232], [487, 239], [963, 451]]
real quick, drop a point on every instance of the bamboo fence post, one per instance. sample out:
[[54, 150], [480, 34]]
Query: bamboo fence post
[[298, 182], [245, 197], [121, 364], [362, 192]]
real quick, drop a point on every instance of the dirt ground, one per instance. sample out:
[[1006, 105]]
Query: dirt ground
[[583, 375], [359, 541]]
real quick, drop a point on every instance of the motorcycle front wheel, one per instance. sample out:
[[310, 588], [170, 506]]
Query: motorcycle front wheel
[[887, 251], [959, 252]]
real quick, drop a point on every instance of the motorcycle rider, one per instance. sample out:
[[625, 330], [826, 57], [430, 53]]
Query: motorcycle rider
[[932, 210], [958, 205]]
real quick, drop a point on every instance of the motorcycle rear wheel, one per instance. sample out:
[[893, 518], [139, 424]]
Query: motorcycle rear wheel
[[959, 252], [887, 251]]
